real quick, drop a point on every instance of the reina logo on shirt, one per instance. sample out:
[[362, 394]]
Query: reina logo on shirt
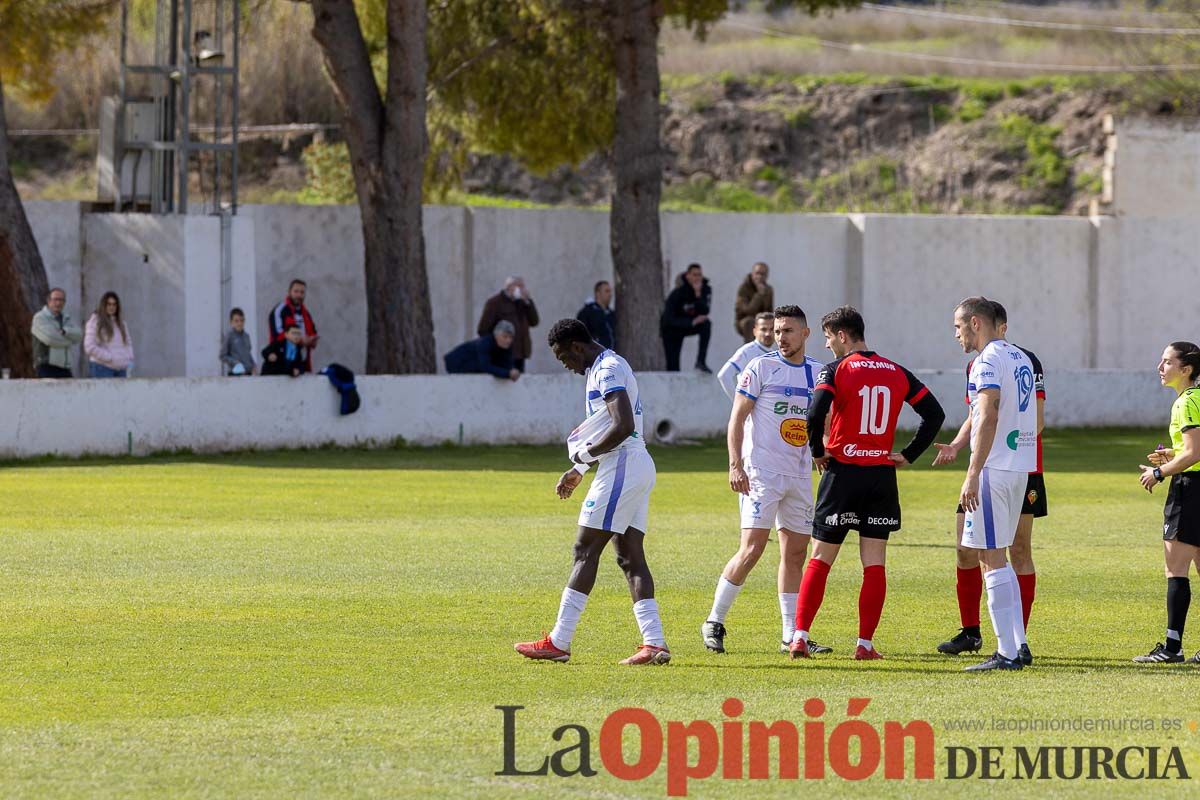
[[794, 432]]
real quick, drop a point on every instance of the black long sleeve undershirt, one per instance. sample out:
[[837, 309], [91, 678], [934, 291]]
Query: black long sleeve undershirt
[[822, 401], [930, 410], [932, 417]]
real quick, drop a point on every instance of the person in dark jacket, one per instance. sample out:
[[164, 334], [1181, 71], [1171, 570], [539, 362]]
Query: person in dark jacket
[[292, 311], [686, 314], [514, 305], [755, 296], [598, 316], [287, 356], [491, 353]]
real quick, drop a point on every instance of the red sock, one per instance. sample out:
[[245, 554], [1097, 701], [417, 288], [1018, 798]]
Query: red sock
[[970, 590], [1028, 584], [870, 600], [812, 592]]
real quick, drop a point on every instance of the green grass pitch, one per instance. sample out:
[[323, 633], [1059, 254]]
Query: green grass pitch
[[340, 623]]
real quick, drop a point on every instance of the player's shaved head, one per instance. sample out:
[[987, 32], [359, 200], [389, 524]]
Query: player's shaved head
[[1001, 313], [979, 307]]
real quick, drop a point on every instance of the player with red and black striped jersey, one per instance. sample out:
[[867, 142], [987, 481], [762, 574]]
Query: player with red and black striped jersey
[[969, 576], [858, 489]]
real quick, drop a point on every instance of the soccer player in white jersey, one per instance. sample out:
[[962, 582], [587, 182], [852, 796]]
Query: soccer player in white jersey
[[618, 503], [1004, 431], [771, 469], [762, 343]]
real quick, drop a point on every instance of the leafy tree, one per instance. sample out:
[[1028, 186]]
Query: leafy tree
[[553, 81], [375, 54], [31, 32]]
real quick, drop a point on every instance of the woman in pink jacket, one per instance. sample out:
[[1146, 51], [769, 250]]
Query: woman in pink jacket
[[106, 340]]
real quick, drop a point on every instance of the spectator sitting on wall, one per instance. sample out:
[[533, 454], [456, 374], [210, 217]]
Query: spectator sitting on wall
[[237, 353], [292, 311], [106, 340], [54, 334], [286, 357], [515, 305], [598, 316], [491, 353], [754, 297], [686, 314]]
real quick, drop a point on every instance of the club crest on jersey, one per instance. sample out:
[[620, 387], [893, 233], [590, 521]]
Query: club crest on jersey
[[1032, 496], [794, 432]]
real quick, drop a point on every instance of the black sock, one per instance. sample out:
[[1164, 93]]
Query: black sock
[[1179, 597], [972, 630]]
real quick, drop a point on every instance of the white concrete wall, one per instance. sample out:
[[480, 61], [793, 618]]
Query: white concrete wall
[[1147, 289], [807, 253], [221, 414], [141, 257], [1106, 292], [917, 268], [108, 417], [1157, 169]]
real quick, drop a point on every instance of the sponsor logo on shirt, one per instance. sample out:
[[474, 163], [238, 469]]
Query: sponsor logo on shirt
[[882, 521], [783, 407], [1032, 496], [832, 519], [872, 365], [1017, 440], [794, 432], [854, 451], [848, 518], [745, 381]]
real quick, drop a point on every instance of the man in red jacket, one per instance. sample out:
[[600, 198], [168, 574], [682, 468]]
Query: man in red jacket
[[292, 311]]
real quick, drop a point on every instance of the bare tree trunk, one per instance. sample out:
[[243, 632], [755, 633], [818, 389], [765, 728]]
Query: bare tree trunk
[[634, 225], [23, 285], [387, 143]]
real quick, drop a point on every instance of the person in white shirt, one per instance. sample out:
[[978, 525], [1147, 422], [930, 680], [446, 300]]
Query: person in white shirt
[[770, 467], [618, 503], [1004, 429], [762, 343]]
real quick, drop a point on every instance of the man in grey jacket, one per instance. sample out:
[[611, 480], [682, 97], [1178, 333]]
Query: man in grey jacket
[[54, 334]]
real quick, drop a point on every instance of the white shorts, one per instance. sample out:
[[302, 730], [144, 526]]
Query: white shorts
[[993, 525], [620, 495], [784, 501]]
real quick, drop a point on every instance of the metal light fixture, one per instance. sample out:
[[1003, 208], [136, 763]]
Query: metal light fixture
[[205, 49]]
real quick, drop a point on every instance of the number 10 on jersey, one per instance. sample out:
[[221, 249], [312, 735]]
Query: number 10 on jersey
[[876, 405]]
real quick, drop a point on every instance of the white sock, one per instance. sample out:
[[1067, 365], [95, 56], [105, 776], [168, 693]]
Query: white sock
[[1001, 595], [723, 598], [1176, 635], [646, 613], [866, 643], [1018, 612], [570, 608], [787, 613], [800, 636]]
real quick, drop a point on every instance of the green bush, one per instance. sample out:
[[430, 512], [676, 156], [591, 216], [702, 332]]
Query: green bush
[[329, 180]]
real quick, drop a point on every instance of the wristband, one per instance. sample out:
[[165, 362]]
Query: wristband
[[1157, 473], [581, 468]]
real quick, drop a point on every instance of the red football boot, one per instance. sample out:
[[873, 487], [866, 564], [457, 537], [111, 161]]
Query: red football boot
[[542, 650]]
